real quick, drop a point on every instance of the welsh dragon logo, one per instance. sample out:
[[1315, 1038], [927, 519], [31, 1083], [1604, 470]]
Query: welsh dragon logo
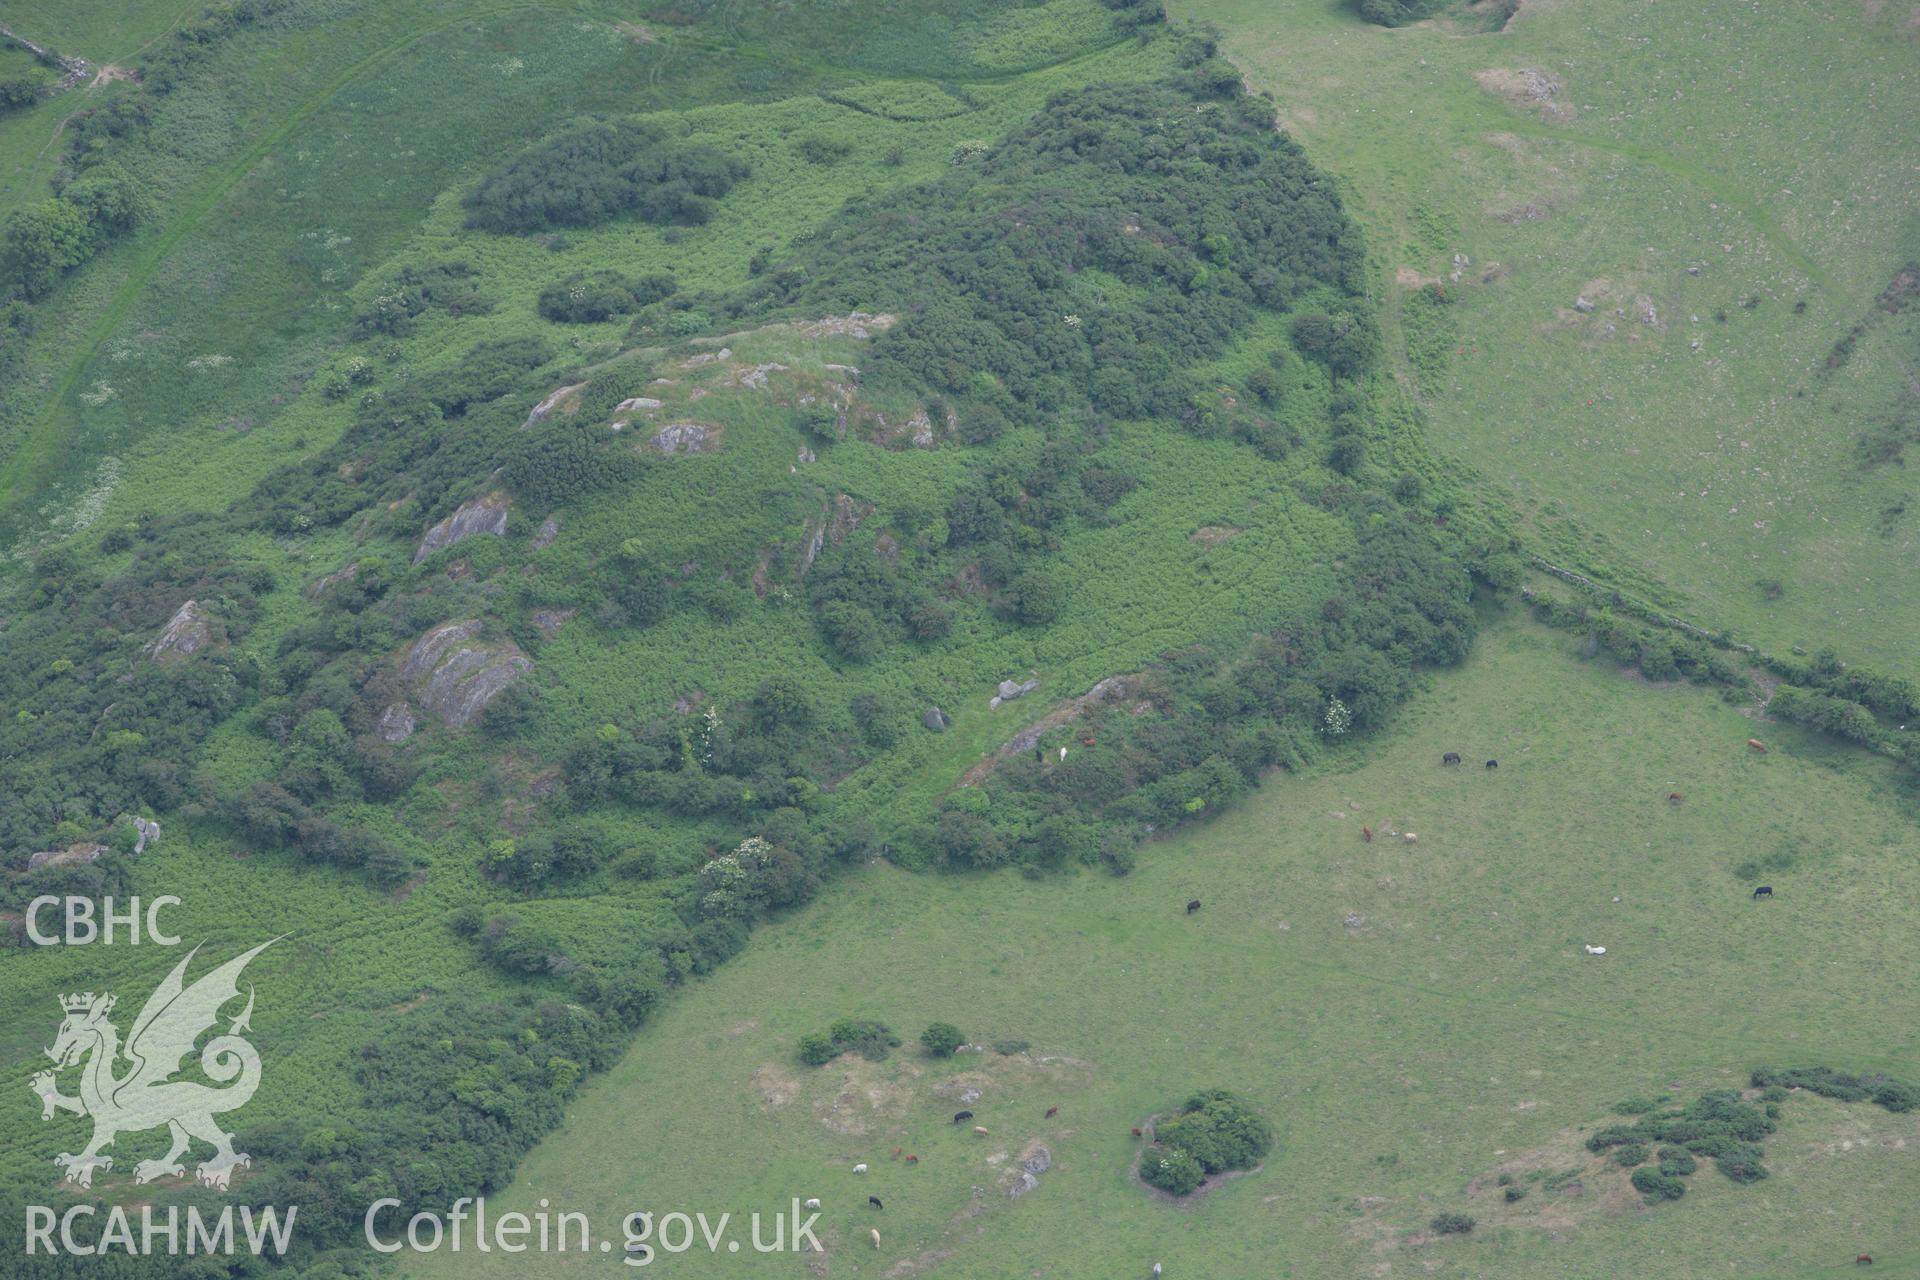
[[147, 1096]]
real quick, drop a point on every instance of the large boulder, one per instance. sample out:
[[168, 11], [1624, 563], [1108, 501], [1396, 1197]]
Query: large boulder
[[187, 632], [936, 720], [483, 515], [456, 675]]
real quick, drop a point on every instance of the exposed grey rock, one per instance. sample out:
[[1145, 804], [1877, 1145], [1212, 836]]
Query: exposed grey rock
[[685, 437], [456, 676], [552, 402], [1582, 305], [486, 515], [936, 720], [1036, 1161], [922, 428], [1009, 689], [186, 633], [756, 377], [636, 404], [483, 515], [548, 531], [146, 832], [708, 357], [74, 854], [396, 723]]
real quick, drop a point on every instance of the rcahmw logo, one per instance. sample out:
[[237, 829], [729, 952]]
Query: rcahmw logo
[[147, 1096]]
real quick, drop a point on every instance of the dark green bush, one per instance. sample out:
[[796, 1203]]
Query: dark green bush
[[1171, 1170], [594, 173], [1658, 1185], [1451, 1224], [942, 1039]]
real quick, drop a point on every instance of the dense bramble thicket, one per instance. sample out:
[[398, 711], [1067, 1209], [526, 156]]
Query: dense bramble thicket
[[1091, 257], [597, 172]]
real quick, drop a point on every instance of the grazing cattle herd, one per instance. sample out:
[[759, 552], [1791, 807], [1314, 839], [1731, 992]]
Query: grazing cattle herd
[[1450, 759]]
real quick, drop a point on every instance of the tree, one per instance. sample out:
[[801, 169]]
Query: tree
[[1039, 597], [942, 1039], [816, 1049], [41, 243], [17, 93]]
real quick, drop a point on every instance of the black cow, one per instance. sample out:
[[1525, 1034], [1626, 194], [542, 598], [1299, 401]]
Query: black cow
[[1452, 757], [875, 1202], [1493, 764], [1764, 891], [1193, 906], [961, 1117]]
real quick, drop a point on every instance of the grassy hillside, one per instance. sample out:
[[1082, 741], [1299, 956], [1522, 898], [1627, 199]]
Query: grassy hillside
[[1655, 160], [1453, 1032]]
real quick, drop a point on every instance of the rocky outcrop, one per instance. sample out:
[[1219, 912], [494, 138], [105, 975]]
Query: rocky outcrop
[[1010, 690], [396, 723], [345, 574], [551, 620], [145, 832], [456, 675], [483, 515], [565, 399], [1035, 1160], [549, 530], [73, 855], [686, 437], [186, 633]]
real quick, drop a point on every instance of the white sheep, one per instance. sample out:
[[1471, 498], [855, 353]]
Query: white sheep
[[859, 1168], [1063, 753], [1594, 951], [1412, 838], [814, 1203], [875, 1233]]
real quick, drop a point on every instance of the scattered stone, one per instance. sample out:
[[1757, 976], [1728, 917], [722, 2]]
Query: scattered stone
[[1582, 305], [707, 357], [936, 720], [807, 455], [486, 515], [637, 403], [1034, 1161], [1693, 271], [186, 633], [549, 530], [922, 428], [756, 377], [396, 723]]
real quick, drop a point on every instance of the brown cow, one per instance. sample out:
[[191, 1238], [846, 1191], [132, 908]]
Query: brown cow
[[1674, 797], [896, 1153], [1366, 833], [912, 1158], [980, 1131], [1863, 1260], [1052, 1112], [1757, 745], [1137, 1133]]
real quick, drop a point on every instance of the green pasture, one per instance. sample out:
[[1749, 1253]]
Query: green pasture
[[1671, 138], [1455, 1032]]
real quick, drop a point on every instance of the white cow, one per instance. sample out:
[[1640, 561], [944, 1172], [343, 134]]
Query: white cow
[[813, 1204]]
